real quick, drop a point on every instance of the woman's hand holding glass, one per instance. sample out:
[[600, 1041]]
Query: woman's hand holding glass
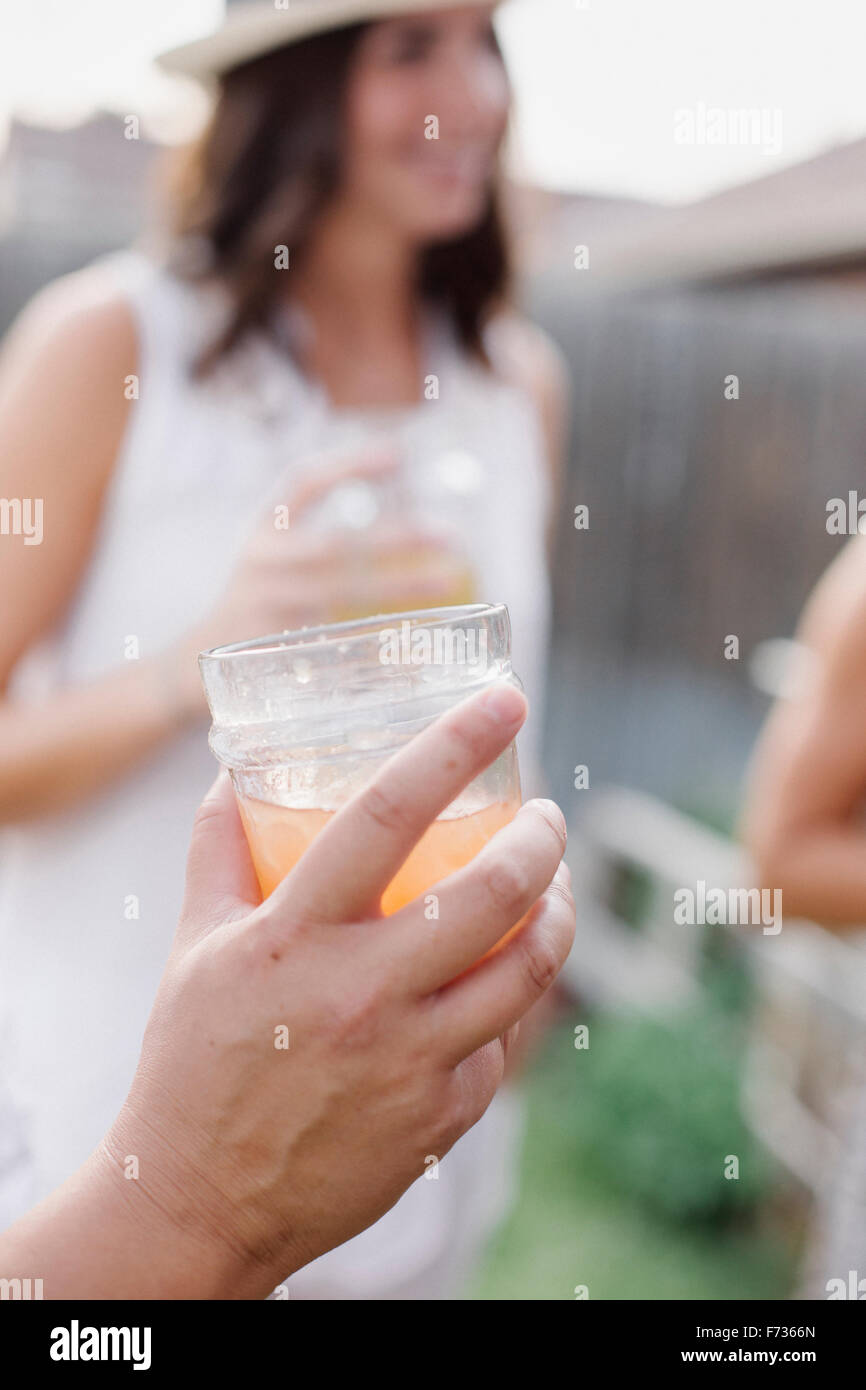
[[292, 575]]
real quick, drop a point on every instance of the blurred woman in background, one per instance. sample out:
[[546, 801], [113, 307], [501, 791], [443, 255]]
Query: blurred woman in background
[[335, 286]]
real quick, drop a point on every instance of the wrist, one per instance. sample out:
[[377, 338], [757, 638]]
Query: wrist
[[176, 675], [103, 1235], [185, 1230]]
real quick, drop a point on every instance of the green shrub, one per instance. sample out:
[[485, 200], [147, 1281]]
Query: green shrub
[[656, 1108]]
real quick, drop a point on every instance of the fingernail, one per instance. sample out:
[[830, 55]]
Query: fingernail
[[504, 703], [551, 813], [218, 784], [510, 1038]]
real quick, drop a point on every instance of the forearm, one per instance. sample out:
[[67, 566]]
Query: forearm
[[57, 752], [821, 872]]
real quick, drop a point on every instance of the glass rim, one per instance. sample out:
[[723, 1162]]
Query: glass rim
[[325, 633]]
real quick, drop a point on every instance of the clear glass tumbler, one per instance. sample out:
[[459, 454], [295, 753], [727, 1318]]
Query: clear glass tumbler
[[303, 719], [434, 488]]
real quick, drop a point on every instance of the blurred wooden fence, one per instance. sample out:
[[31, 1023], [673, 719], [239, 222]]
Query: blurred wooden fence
[[707, 516]]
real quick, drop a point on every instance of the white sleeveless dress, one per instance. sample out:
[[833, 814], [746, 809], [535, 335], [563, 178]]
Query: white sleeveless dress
[[89, 898]]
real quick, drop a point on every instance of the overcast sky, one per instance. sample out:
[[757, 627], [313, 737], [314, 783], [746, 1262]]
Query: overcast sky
[[631, 97]]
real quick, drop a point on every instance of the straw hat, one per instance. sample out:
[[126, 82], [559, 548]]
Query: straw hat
[[255, 27]]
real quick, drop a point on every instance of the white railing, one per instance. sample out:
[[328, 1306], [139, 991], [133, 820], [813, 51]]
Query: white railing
[[810, 985]]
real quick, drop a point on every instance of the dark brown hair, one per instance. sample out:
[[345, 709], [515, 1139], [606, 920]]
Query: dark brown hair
[[265, 168]]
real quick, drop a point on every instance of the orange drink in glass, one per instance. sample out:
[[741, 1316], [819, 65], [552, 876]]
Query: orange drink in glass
[[278, 836], [305, 719]]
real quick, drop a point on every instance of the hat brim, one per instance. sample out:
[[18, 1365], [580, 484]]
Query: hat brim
[[252, 30]]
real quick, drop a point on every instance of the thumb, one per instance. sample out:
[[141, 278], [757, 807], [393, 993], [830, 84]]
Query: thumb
[[221, 882]]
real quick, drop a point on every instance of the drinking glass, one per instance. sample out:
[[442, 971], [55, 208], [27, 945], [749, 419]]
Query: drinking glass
[[303, 719], [437, 486]]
